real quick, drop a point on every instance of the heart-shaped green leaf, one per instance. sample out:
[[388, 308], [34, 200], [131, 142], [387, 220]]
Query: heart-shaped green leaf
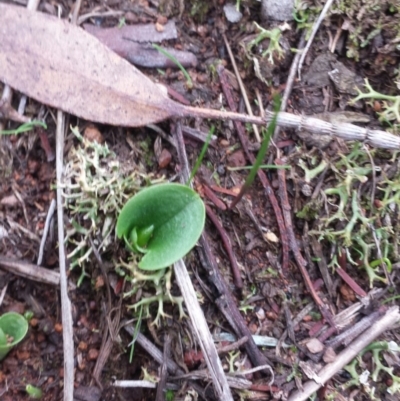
[[177, 215]]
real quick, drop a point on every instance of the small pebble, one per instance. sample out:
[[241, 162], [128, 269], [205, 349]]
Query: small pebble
[[92, 134], [164, 159], [92, 354], [315, 346], [232, 14]]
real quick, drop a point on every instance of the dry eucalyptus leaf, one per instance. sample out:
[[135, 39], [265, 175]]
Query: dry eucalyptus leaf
[[65, 67]]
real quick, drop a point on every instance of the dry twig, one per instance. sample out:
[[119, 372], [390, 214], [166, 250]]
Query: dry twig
[[348, 354]]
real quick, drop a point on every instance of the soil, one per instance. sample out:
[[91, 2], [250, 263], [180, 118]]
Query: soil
[[274, 293]]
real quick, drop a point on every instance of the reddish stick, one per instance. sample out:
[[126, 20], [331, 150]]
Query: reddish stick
[[295, 247], [237, 279], [213, 198]]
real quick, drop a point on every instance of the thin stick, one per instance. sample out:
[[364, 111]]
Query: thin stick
[[348, 354], [196, 315], [46, 230], [68, 343], [203, 334], [237, 278], [242, 88], [31, 271], [313, 33], [289, 84]]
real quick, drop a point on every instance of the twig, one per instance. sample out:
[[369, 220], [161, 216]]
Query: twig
[[322, 265], [134, 384], [3, 293], [203, 334], [301, 263], [354, 331], [162, 133], [31, 272], [68, 343], [350, 282], [227, 306], [46, 230], [313, 33], [289, 84], [345, 131], [237, 278], [208, 192], [158, 356], [112, 326], [161, 386], [100, 14], [235, 345], [261, 175], [348, 354], [196, 315], [233, 381], [180, 147], [242, 88], [198, 135]]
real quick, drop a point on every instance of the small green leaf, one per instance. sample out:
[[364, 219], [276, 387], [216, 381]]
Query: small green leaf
[[144, 235], [34, 392], [168, 220], [3, 338], [14, 326]]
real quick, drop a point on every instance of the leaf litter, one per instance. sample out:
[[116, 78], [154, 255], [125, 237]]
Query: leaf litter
[[67, 68], [340, 176]]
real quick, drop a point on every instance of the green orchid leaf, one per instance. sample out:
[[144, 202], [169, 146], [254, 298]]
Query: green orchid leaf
[[14, 326], [165, 221], [144, 235], [3, 338]]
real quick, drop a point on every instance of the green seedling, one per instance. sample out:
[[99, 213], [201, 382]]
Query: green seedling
[[168, 220], [34, 392], [169, 395], [267, 134], [13, 329], [189, 82], [24, 128], [135, 334]]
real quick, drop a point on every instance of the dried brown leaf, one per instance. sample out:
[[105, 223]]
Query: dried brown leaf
[[63, 66]]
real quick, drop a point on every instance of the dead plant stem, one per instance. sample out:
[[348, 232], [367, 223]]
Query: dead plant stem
[[313, 33], [241, 85], [68, 342], [347, 355], [237, 279]]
